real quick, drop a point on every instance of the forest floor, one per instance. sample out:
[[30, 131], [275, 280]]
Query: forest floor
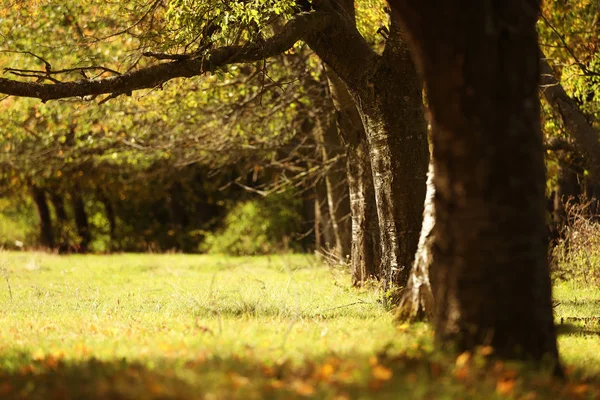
[[186, 326]]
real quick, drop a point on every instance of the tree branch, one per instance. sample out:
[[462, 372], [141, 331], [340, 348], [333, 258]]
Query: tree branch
[[296, 29], [585, 136]]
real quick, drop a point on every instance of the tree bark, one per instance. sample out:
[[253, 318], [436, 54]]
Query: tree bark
[[387, 94], [325, 238], [391, 108], [416, 302], [46, 235], [81, 221], [585, 137], [365, 254], [490, 276]]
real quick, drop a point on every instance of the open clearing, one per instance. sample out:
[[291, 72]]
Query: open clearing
[[188, 326]]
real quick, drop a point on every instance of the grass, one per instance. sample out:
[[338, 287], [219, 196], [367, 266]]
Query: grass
[[183, 326]]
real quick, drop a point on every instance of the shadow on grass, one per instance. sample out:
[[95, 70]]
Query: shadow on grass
[[382, 376]]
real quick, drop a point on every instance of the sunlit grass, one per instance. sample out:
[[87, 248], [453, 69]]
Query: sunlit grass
[[183, 326]]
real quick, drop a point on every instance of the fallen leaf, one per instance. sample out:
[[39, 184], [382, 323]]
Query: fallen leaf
[[382, 373], [505, 386], [303, 388]]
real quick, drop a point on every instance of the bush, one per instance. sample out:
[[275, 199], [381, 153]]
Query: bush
[[577, 253], [18, 224], [259, 226]]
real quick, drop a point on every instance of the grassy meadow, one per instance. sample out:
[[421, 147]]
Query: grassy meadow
[[212, 327]]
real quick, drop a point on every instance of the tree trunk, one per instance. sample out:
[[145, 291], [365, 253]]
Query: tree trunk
[[326, 238], [336, 185], [490, 277], [81, 221], [416, 302], [62, 219], [585, 137], [46, 235], [391, 107], [365, 257], [110, 216], [387, 94]]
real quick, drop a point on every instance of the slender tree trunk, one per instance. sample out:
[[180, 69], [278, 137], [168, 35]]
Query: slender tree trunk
[[110, 216], [81, 220], [416, 302], [61, 217], [46, 235], [365, 256], [336, 185], [391, 107], [490, 276], [323, 219]]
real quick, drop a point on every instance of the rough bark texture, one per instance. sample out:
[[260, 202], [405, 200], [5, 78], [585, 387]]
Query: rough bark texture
[[387, 94], [416, 302], [338, 201], [365, 257], [585, 137], [391, 108], [490, 276], [46, 235], [81, 221]]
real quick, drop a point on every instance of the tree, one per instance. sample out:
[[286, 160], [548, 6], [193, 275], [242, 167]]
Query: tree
[[379, 84], [490, 276]]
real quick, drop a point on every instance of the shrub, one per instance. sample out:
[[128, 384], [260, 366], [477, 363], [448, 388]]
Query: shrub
[[577, 253], [259, 226]]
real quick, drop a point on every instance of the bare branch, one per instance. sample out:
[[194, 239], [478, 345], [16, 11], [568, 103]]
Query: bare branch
[[297, 28]]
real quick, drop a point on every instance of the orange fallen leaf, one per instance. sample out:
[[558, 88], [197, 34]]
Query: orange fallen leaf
[[303, 388], [505, 386], [277, 384], [579, 389], [325, 371], [382, 373]]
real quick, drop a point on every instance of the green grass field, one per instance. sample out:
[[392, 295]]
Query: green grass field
[[183, 326]]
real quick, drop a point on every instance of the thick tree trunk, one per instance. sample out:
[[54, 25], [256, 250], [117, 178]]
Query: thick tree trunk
[[338, 201], [416, 302], [46, 235], [387, 94], [391, 107], [365, 257], [81, 221], [490, 276]]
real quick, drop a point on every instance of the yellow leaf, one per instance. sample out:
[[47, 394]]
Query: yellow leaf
[[486, 351], [38, 355], [326, 371], [463, 359], [382, 373]]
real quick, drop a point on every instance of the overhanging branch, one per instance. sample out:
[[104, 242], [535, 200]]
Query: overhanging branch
[[296, 29]]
